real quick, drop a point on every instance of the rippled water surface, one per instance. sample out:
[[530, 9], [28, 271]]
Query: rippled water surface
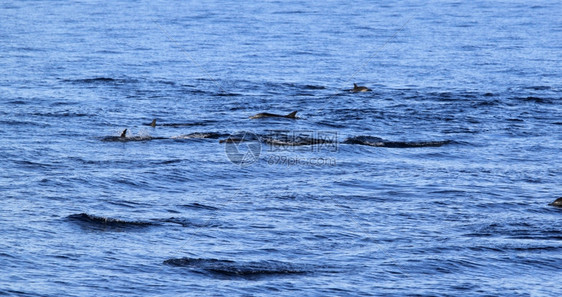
[[436, 182]]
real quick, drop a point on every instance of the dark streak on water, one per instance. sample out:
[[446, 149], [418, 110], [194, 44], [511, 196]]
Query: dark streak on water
[[436, 183], [249, 270], [104, 222]]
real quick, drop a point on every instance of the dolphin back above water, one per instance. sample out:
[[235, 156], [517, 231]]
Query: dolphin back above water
[[357, 88], [557, 202], [292, 115]]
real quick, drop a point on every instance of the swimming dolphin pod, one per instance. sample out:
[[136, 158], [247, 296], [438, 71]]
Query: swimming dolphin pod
[[292, 115], [289, 139]]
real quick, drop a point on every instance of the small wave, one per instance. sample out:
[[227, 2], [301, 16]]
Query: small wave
[[98, 80], [239, 269], [485, 103], [166, 82], [312, 87], [442, 95], [191, 223], [123, 203], [227, 94], [538, 88], [534, 99], [197, 92], [379, 142], [17, 102], [517, 230], [290, 12], [127, 139], [200, 135], [34, 164], [62, 114], [200, 206], [22, 123], [166, 162], [460, 130], [181, 124], [535, 248], [105, 222], [331, 124]]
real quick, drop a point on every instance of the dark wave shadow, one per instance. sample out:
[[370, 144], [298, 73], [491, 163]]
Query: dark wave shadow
[[534, 99], [94, 222], [379, 142], [196, 205], [247, 270], [184, 222], [99, 80], [105, 223], [185, 124]]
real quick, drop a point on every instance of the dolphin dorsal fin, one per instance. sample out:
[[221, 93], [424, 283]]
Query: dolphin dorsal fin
[[355, 85], [292, 115], [123, 134], [153, 124]]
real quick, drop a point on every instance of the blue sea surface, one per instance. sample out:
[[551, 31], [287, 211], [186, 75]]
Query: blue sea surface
[[435, 183]]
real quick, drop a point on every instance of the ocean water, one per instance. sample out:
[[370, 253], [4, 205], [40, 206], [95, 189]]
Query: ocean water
[[435, 183]]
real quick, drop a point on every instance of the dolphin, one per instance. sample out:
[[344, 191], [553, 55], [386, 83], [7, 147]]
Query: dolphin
[[153, 123], [357, 88], [292, 115], [557, 202], [123, 137]]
